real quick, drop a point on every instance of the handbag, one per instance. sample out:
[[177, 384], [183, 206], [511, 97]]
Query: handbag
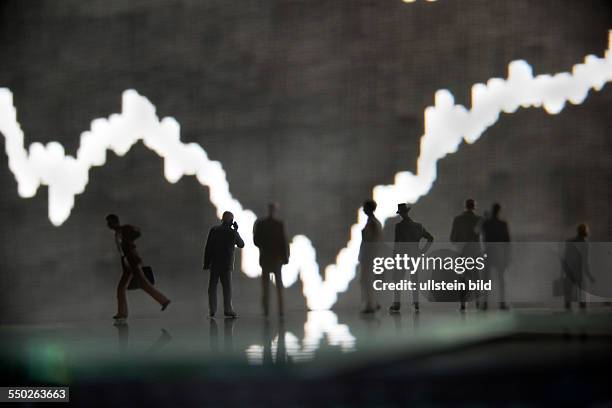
[[148, 273]]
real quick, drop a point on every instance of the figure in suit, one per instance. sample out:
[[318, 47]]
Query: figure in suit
[[408, 235], [496, 235], [466, 234], [269, 236], [576, 266], [219, 258], [371, 237], [131, 265]]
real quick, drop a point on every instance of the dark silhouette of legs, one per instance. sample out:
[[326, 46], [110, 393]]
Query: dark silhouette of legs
[[415, 293], [135, 272], [212, 291], [278, 281], [484, 295], [124, 281], [265, 288], [567, 293], [148, 288], [226, 283], [462, 293], [367, 291], [398, 275], [501, 277]]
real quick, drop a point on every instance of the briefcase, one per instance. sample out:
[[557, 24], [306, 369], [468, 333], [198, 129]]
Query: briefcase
[[148, 273]]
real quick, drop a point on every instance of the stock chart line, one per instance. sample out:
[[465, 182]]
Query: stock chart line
[[446, 126]]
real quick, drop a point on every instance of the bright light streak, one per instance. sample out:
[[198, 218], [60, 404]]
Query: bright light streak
[[447, 125], [318, 324]]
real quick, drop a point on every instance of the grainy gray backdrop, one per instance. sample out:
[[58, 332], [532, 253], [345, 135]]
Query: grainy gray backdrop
[[309, 103]]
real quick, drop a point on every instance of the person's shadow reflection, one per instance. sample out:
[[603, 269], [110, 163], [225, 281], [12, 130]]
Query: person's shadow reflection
[[228, 335], [401, 329], [161, 342], [416, 317], [397, 322], [371, 321], [213, 335], [267, 344], [282, 357], [123, 335]]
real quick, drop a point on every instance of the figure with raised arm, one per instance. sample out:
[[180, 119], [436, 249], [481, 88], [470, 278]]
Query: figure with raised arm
[[219, 259]]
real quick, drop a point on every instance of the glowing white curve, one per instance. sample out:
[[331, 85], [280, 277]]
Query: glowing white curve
[[319, 324], [447, 125]]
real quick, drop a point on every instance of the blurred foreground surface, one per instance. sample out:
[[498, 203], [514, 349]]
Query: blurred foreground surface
[[438, 356]]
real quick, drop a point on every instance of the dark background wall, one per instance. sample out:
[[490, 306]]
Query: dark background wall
[[309, 103]]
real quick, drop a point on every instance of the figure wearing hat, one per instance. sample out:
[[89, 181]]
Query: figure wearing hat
[[408, 235]]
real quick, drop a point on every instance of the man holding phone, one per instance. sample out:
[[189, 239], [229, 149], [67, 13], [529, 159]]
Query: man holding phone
[[219, 258]]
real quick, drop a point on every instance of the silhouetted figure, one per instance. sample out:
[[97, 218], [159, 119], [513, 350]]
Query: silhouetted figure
[[371, 237], [496, 235], [408, 235], [131, 265], [269, 236], [219, 258], [575, 266], [466, 226], [466, 234]]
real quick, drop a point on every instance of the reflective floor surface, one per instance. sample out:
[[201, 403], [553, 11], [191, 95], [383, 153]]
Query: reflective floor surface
[[318, 347]]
